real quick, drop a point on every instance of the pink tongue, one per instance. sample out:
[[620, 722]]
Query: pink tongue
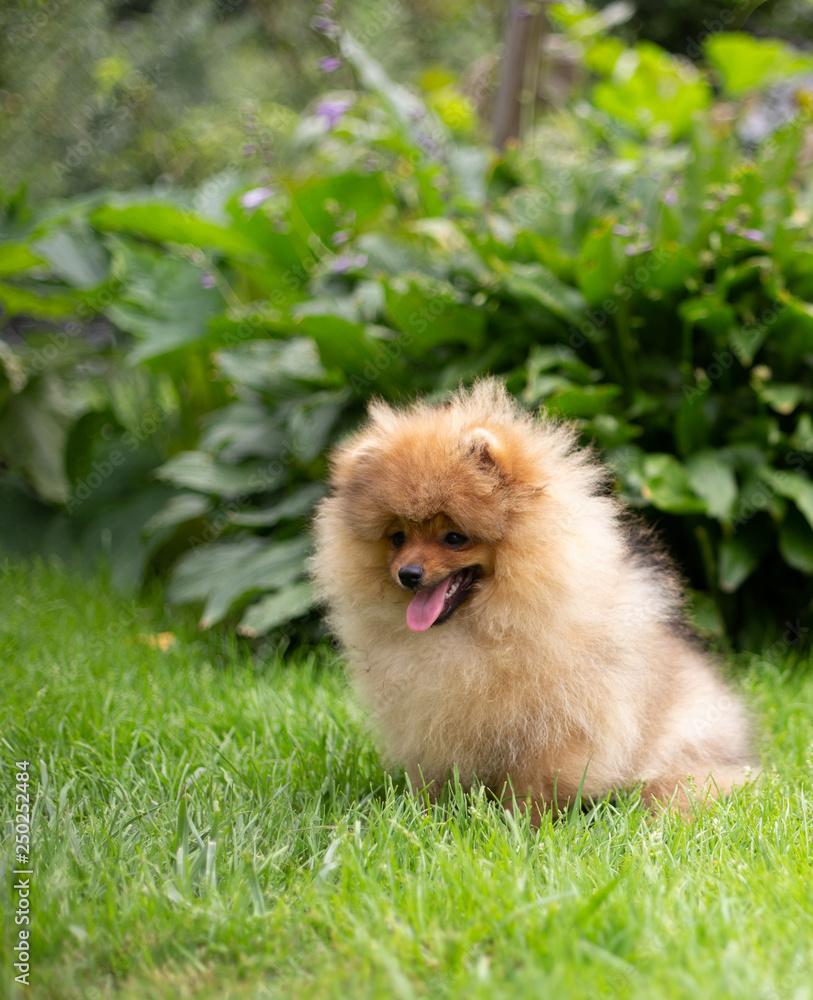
[[426, 606]]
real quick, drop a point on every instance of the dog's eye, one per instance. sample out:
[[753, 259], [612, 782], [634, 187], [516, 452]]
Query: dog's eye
[[398, 539], [454, 538]]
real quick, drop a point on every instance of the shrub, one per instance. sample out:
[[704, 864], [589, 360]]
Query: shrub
[[655, 292]]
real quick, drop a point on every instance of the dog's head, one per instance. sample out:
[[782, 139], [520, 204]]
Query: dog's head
[[434, 494]]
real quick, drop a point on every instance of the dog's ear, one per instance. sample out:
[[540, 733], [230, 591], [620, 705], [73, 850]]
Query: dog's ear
[[346, 462], [484, 448]]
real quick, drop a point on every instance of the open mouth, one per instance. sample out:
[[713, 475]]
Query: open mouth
[[435, 605]]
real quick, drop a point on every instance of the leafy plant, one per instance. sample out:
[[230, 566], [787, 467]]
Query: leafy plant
[[656, 292]]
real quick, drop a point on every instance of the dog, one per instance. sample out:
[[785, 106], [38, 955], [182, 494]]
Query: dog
[[503, 615]]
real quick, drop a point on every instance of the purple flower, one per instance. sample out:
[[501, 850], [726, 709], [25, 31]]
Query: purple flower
[[326, 26], [329, 63], [755, 235], [332, 111], [340, 236], [207, 281], [341, 265], [670, 197], [622, 231], [730, 227], [254, 197]]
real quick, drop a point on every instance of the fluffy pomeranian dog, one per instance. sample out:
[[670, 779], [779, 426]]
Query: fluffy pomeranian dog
[[503, 615]]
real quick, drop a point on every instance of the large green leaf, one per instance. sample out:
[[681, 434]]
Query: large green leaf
[[794, 486], [652, 92], [267, 365], [162, 303], [195, 573], [357, 349], [584, 401], [796, 541], [42, 303], [736, 562], [666, 485], [712, 478], [16, 258], [164, 223], [292, 601], [539, 283], [746, 63], [75, 256], [33, 432], [601, 264], [275, 566], [428, 314], [294, 506], [198, 471], [782, 397], [180, 508]]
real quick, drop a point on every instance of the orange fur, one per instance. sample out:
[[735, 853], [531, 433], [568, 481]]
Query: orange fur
[[568, 662]]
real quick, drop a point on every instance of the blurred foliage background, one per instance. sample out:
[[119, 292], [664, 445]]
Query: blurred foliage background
[[225, 225]]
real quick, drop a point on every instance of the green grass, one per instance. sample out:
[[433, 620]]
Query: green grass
[[212, 825]]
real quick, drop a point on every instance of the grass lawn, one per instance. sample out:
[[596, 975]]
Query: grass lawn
[[211, 825]]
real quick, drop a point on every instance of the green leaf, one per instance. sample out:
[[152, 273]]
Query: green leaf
[[428, 314], [162, 303], [75, 256], [117, 532], [353, 348], [297, 505], [794, 486], [243, 430], [704, 615], [746, 341], [198, 471], [16, 258], [366, 192], [584, 401], [164, 223], [275, 566], [710, 313], [42, 304], [712, 478], [276, 609], [746, 63], [311, 423], [796, 541], [693, 422], [193, 575], [666, 485], [601, 264], [33, 434], [184, 507], [784, 398], [268, 365], [653, 92], [538, 283], [735, 564]]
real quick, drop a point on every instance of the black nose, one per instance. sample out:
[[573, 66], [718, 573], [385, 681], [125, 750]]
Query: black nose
[[410, 575]]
